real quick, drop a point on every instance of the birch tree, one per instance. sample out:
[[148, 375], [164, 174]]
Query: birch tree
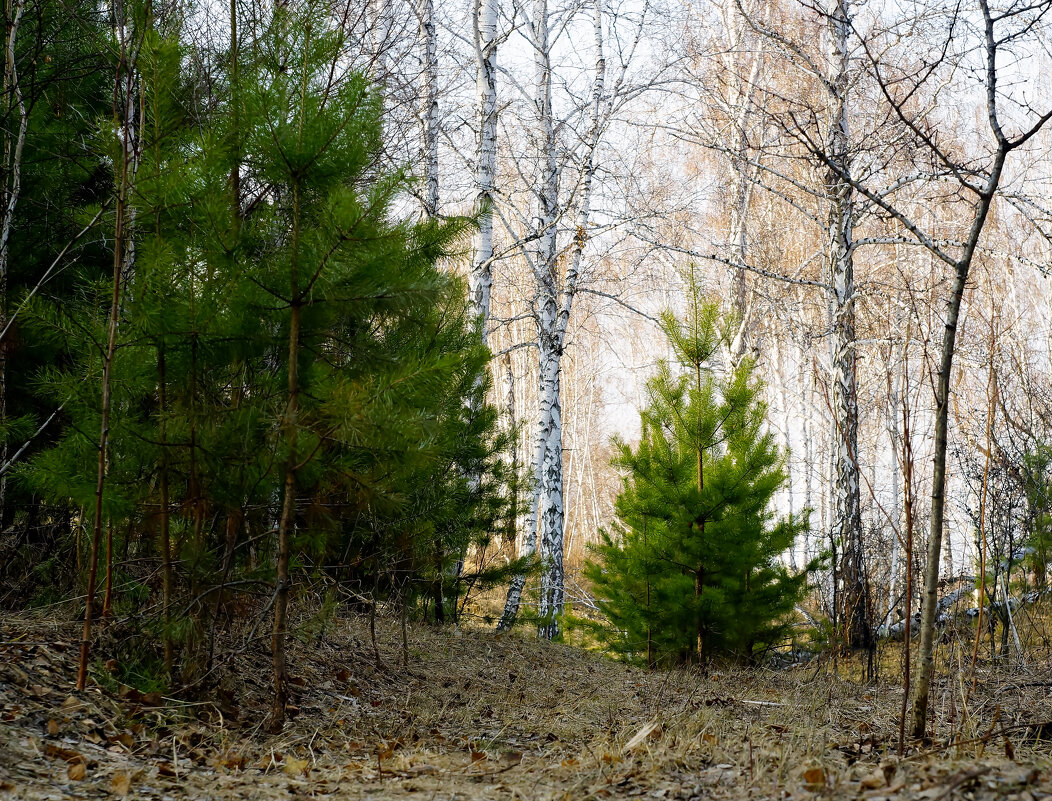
[[429, 118], [822, 197], [556, 277], [484, 30]]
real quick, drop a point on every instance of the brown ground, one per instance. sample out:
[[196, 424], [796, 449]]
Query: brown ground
[[481, 716]]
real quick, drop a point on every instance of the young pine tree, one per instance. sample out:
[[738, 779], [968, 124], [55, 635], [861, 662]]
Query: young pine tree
[[693, 570]]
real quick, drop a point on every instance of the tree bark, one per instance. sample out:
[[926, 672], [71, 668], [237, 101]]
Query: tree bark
[[429, 104], [925, 648], [481, 280], [12, 187], [846, 503], [286, 522]]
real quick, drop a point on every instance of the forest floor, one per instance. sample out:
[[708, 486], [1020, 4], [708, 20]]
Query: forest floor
[[474, 715]]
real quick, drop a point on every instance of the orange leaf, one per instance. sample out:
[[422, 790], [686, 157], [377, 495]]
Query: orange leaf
[[120, 784], [815, 778]]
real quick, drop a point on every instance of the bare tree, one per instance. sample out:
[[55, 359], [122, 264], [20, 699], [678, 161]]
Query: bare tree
[[982, 33]]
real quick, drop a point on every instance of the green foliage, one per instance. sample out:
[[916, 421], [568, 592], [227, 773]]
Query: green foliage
[[1037, 474], [691, 570], [256, 201]]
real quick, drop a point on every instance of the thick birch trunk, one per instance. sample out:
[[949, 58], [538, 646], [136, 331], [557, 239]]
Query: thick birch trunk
[[552, 309], [481, 279], [547, 495], [847, 518], [429, 102], [741, 107], [550, 512]]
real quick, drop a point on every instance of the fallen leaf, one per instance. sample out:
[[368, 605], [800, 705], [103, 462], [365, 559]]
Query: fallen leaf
[[120, 784], [815, 779], [478, 756], [76, 771], [67, 754], [53, 727], [641, 735], [233, 761]]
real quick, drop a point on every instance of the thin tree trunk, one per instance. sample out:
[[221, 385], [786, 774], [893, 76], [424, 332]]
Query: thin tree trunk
[[529, 547], [894, 391], [926, 646], [123, 123], [107, 594], [930, 599], [288, 507], [513, 450], [235, 114], [165, 515], [12, 186], [907, 501]]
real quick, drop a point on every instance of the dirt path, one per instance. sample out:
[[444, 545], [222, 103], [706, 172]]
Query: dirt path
[[476, 716]]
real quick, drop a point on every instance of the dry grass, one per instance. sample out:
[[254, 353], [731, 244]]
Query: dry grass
[[476, 715]]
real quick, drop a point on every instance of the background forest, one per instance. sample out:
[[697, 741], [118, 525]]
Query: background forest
[[356, 297]]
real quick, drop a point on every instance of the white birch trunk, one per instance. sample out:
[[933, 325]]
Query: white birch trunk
[[847, 520], [551, 512], [529, 547], [552, 308], [741, 107], [896, 501], [429, 105], [481, 278]]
